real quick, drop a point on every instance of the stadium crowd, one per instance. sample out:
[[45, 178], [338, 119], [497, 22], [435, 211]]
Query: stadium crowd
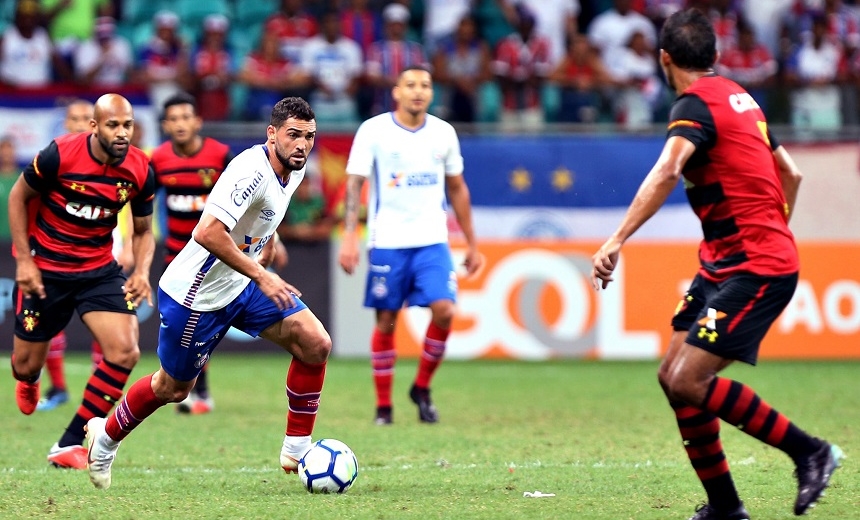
[[519, 63]]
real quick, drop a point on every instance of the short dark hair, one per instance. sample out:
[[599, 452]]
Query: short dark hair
[[421, 68], [180, 98], [288, 107], [688, 37]]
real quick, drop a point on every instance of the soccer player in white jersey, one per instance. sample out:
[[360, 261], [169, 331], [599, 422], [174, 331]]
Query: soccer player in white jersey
[[219, 280], [413, 160]]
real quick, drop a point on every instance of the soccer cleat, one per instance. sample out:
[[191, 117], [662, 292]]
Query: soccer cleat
[[186, 404], [27, 396], [54, 398], [201, 406], [813, 475], [290, 459], [426, 411], [101, 453], [709, 512], [383, 415], [68, 457]]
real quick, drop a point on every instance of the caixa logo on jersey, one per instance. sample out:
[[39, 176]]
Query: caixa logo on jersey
[[398, 179], [245, 188], [88, 211], [253, 244]]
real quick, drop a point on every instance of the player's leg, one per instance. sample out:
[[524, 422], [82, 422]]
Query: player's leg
[[112, 321], [298, 331], [385, 291], [36, 322], [96, 353], [435, 286], [383, 357], [204, 402], [118, 335], [185, 340], [731, 326], [57, 394]]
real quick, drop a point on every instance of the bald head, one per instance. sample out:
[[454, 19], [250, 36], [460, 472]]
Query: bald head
[[112, 105], [114, 120]]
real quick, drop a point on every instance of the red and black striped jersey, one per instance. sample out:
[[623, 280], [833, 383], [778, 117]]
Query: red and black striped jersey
[[71, 229], [187, 182], [733, 182]]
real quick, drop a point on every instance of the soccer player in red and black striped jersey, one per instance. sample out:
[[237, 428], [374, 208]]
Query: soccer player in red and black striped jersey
[[742, 185], [186, 167], [64, 261]]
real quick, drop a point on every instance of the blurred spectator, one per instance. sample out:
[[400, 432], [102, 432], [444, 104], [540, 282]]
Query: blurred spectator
[[610, 33], [269, 76], [640, 84], [293, 27], [163, 61], [212, 69], [361, 24], [461, 68], [521, 66], [767, 18], [71, 22], [658, 10], [9, 172], [28, 59], [813, 71], [79, 113], [307, 219], [441, 18], [724, 16], [556, 20], [750, 64], [580, 76], [389, 56], [495, 18], [335, 64], [106, 59]]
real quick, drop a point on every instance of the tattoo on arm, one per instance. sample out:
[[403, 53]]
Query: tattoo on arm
[[353, 191]]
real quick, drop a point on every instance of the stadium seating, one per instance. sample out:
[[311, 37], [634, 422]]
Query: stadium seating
[[253, 12]]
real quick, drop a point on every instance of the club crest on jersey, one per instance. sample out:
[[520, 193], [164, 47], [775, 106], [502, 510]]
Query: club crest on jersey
[[206, 176], [31, 320], [123, 190]]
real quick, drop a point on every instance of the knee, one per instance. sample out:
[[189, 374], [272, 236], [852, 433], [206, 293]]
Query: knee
[[125, 357], [316, 348], [687, 388], [443, 315]]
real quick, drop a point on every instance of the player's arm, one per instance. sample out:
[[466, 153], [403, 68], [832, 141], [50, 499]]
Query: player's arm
[[352, 204], [36, 178], [137, 286], [790, 177], [461, 202]]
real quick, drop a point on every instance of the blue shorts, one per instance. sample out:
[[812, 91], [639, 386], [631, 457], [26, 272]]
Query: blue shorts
[[415, 276], [186, 338]]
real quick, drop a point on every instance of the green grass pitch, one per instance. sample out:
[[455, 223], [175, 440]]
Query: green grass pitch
[[598, 435]]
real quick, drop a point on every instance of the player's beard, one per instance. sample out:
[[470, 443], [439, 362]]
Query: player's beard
[[109, 149], [286, 162]]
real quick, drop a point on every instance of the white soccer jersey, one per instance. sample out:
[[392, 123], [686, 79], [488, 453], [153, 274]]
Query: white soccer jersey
[[407, 170], [250, 200]]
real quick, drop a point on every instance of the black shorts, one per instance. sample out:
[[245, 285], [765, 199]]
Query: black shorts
[[730, 318], [39, 320]]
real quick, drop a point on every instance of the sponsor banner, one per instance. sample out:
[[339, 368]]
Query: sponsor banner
[[36, 117], [534, 300]]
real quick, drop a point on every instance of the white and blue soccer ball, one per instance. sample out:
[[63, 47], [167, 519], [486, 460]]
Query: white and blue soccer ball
[[328, 467]]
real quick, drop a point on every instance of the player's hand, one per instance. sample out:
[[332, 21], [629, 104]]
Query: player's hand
[[349, 253], [473, 261], [29, 278], [279, 291], [137, 289], [603, 263]]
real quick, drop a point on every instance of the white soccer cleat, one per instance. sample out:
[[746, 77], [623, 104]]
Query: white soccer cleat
[[290, 456], [101, 453]]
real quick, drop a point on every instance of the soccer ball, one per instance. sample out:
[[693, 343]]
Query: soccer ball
[[328, 467]]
